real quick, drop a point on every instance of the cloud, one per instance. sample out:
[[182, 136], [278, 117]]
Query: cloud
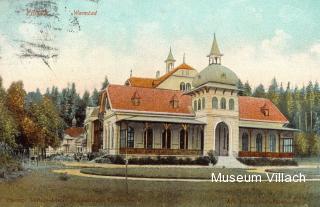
[[86, 64], [259, 63], [277, 42]]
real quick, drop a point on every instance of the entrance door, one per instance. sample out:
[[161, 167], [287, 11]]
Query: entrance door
[[222, 139]]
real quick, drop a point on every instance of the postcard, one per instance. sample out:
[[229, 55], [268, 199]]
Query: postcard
[[159, 103]]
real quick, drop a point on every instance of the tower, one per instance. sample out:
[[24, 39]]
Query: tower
[[215, 54], [169, 62]]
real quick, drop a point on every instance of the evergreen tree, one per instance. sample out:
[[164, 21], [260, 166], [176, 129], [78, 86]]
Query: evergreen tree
[[81, 109], [95, 97], [317, 125], [240, 87], [273, 92], [105, 83], [247, 89], [259, 91]]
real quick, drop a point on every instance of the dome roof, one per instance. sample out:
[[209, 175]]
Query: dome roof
[[215, 73]]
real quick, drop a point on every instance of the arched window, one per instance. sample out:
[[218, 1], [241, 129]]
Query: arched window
[[188, 87], [272, 142], [166, 139], [199, 104], [195, 106], [231, 104], [214, 103], [203, 103], [259, 143], [183, 139], [148, 138], [182, 86], [223, 103], [245, 141], [130, 139]]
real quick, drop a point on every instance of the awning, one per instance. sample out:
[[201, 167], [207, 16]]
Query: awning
[[164, 119], [265, 125]]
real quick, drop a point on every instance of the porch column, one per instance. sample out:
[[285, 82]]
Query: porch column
[[250, 134], [265, 140], [185, 127], [279, 138]]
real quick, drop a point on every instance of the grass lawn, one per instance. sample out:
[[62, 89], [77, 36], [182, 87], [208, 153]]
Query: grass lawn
[[308, 172], [168, 172], [44, 188]]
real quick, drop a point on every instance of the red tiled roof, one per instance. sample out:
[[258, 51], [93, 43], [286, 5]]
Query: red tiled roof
[[251, 108], [158, 100], [74, 131], [151, 99], [154, 82]]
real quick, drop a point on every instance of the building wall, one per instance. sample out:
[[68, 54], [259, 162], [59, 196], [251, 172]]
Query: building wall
[[193, 136], [173, 82], [212, 117], [265, 139]]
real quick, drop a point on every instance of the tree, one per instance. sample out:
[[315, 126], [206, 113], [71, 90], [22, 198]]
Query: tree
[[16, 98], [105, 83], [81, 108], [240, 87], [8, 126], [259, 91], [317, 125], [95, 97], [247, 89], [273, 92], [315, 145], [47, 124], [301, 144]]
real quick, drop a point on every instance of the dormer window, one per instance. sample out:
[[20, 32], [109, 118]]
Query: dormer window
[[265, 110], [135, 99], [174, 102]]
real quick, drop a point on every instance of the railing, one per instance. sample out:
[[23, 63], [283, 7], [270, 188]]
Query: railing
[[143, 151], [266, 154]]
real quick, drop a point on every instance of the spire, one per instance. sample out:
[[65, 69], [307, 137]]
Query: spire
[[215, 54], [170, 56], [130, 73], [169, 61], [184, 58]]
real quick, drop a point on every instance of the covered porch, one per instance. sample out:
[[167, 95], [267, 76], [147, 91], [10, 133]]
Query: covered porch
[[272, 141], [157, 136]]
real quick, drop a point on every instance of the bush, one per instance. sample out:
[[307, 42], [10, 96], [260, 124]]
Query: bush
[[202, 160], [266, 161], [64, 176], [172, 160], [212, 157]]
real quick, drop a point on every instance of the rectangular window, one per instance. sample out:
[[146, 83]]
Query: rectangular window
[[130, 139], [272, 143], [287, 145], [123, 133]]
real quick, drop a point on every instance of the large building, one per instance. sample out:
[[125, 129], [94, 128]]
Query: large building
[[187, 113]]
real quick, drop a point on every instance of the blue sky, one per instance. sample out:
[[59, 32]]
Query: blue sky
[[274, 38]]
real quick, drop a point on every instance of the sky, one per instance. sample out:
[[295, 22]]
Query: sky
[[260, 40]]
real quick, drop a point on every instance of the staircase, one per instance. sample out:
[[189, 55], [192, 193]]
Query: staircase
[[229, 162]]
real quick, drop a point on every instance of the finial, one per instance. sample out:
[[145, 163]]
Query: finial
[[184, 57], [130, 73]]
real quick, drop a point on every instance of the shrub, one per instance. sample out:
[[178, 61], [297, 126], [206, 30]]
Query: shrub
[[212, 157], [202, 160], [171, 160], [263, 161], [64, 176]]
